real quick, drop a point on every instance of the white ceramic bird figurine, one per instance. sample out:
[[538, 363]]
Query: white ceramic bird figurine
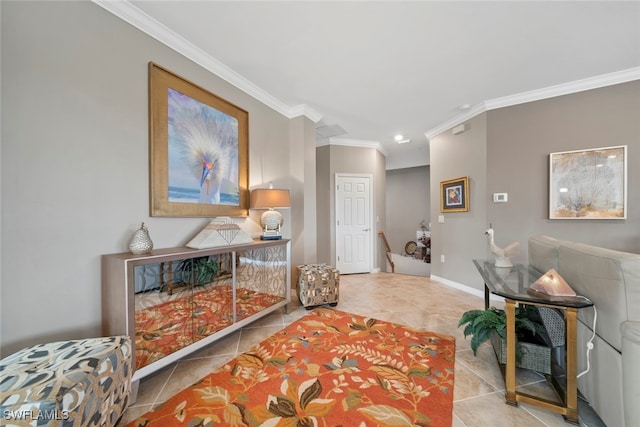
[[502, 255]]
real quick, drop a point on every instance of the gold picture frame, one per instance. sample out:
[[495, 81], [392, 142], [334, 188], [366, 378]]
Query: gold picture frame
[[454, 195], [198, 150]]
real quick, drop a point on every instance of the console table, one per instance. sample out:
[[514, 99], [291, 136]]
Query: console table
[[512, 284], [175, 301]]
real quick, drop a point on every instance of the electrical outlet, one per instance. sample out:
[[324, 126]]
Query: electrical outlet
[[442, 258]]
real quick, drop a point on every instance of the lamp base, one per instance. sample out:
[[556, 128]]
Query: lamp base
[[271, 220], [271, 237]]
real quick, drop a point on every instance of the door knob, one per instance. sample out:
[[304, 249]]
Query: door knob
[[366, 229]]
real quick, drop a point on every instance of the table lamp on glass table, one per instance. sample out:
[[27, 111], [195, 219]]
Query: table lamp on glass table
[[271, 220]]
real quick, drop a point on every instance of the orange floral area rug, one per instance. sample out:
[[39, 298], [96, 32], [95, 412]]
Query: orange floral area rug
[[330, 368]]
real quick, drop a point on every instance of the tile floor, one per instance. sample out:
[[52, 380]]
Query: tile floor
[[412, 300]]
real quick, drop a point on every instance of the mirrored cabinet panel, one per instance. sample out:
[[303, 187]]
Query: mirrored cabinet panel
[[261, 274], [175, 301]]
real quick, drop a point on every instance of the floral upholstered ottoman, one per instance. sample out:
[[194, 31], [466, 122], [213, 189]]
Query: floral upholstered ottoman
[[67, 383], [318, 284]]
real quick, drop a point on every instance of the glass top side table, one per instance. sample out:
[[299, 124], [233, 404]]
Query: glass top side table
[[512, 284]]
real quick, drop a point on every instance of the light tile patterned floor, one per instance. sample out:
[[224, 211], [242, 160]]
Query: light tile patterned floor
[[412, 300]]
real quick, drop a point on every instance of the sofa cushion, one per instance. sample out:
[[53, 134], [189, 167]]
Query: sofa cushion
[[543, 253], [631, 369], [611, 279]]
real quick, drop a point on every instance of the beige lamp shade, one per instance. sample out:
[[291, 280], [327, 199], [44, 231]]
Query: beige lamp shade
[[270, 198]]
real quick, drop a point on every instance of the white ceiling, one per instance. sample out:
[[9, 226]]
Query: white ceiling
[[378, 68]]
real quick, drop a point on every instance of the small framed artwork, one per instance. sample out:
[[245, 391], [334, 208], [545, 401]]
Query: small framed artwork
[[454, 195], [199, 150], [588, 184]]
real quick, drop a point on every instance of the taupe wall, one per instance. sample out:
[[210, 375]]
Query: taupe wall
[[460, 238], [303, 193], [75, 161], [411, 155], [408, 203], [380, 203], [323, 213], [510, 154], [74, 167], [333, 159], [596, 118]]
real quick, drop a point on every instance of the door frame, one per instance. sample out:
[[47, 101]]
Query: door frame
[[374, 229]]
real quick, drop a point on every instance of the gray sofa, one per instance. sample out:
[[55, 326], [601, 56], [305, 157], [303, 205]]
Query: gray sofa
[[611, 279]]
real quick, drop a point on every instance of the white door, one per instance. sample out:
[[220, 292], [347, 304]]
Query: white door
[[353, 223]]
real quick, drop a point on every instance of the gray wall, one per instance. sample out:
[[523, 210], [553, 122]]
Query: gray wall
[[460, 238], [303, 191], [333, 159], [74, 167], [324, 191], [506, 150], [75, 160], [408, 203], [410, 155], [592, 119]]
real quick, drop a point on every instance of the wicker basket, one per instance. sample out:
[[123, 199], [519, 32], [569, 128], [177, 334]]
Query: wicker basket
[[534, 356]]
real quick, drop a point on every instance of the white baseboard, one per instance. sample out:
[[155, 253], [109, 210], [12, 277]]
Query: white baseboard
[[465, 288]]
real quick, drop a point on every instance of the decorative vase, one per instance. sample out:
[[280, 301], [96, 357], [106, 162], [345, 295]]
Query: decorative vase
[[141, 242]]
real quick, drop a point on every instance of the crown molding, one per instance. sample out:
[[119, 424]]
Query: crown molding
[[590, 83], [126, 11], [582, 85], [359, 143], [129, 13], [305, 110], [456, 120]]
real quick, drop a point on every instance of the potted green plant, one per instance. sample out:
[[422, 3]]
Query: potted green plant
[[532, 347], [199, 271]]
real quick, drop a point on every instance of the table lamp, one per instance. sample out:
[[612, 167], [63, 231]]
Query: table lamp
[[552, 284], [271, 220]]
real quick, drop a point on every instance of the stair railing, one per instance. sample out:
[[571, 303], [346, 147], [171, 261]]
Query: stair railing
[[387, 250]]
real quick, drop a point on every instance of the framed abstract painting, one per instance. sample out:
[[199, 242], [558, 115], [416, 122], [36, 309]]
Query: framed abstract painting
[[454, 195], [588, 184], [199, 150]]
